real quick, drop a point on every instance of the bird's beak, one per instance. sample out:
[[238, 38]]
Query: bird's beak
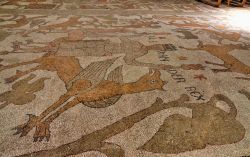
[[164, 83], [163, 89]]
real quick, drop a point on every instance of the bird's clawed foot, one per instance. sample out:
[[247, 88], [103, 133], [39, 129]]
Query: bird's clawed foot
[[24, 129], [42, 129]]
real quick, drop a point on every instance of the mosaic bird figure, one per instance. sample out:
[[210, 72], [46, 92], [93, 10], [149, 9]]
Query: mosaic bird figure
[[91, 89]]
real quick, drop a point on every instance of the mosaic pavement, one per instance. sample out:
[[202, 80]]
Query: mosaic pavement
[[123, 78]]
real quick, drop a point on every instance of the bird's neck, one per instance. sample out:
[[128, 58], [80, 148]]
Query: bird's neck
[[129, 88]]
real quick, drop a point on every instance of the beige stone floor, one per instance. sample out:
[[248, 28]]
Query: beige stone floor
[[124, 78]]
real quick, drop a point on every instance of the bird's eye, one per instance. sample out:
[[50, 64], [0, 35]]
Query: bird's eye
[[153, 81]]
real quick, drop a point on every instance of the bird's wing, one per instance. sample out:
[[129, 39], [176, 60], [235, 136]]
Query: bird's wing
[[94, 72], [115, 76]]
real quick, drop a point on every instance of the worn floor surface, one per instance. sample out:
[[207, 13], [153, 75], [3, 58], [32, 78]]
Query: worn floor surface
[[123, 78]]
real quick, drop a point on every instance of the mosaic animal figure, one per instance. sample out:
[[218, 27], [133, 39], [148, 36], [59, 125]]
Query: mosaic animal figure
[[72, 21], [64, 50], [196, 24], [50, 63], [130, 48], [22, 91], [20, 21], [181, 22], [222, 52], [90, 89], [189, 33], [221, 35]]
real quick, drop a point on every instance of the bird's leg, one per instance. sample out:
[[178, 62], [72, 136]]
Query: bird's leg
[[36, 121], [56, 114]]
